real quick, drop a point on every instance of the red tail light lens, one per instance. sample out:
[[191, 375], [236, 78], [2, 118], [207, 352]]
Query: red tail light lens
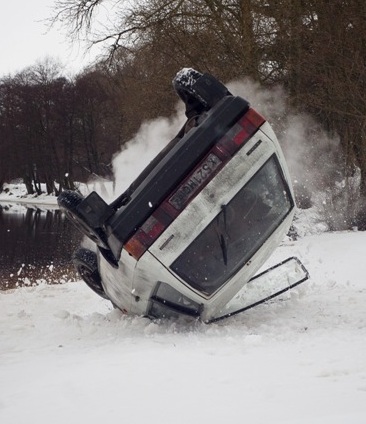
[[198, 178], [240, 132], [152, 228]]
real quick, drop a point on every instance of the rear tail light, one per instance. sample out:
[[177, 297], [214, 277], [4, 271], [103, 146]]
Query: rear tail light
[[208, 167], [151, 229], [236, 137]]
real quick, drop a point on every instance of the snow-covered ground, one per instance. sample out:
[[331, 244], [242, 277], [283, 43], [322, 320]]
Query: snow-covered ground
[[68, 357], [16, 193]]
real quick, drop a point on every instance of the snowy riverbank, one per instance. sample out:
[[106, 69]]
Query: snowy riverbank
[[16, 194]]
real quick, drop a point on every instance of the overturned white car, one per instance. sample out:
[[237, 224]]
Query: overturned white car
[[191, 232]]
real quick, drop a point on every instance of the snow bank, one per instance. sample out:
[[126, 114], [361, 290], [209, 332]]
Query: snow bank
[[67, 356], [16, 193]]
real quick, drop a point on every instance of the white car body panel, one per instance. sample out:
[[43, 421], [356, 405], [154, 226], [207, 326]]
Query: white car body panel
[[131, 286]]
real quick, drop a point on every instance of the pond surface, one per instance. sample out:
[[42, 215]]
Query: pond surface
[[36, 244]]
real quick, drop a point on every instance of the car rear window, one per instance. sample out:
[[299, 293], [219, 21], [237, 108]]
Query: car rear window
[[237, 232]]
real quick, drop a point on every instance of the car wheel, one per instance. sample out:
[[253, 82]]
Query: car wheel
[[183, 84], [86, 263], [68, 202]]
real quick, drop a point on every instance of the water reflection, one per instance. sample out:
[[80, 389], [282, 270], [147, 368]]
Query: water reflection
[[35, 244]]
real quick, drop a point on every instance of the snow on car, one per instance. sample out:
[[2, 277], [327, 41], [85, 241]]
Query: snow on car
[[191, 233]]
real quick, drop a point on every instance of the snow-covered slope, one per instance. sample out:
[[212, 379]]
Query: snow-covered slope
[[68, 357]]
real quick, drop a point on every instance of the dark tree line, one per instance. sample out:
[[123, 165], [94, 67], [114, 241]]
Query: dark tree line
[[55, 130]]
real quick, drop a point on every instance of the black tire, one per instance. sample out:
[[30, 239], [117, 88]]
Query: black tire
[[86, 263], [68, 201], [200, 92], [183, 83]]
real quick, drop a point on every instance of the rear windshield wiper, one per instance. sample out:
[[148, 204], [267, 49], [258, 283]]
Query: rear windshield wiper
[[222, 237]]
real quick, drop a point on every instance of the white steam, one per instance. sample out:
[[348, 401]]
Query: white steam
[[312, 155], [270, 103], [136, 154], [154, 135]]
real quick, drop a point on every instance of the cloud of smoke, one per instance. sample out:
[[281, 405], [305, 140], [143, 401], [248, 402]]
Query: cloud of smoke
[[270, 103], [154, 135], [136, 154], [313, 156]]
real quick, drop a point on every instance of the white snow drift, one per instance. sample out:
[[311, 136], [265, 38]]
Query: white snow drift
[[68, 357]]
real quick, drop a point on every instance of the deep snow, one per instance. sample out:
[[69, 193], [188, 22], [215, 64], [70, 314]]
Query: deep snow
[[68, 357]]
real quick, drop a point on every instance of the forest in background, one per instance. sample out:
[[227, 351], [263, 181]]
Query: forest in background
[[57, 130]]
